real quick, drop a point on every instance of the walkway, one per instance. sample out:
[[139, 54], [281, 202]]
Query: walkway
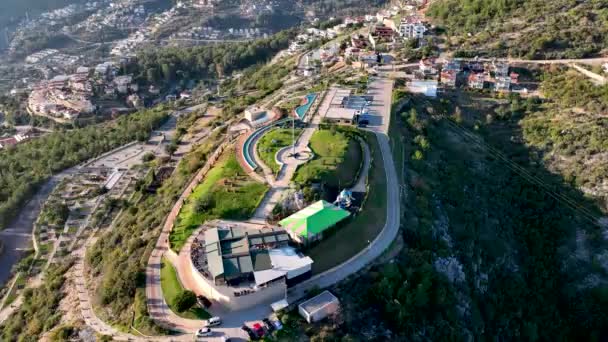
[[361, 184], [290, 164], [17, 237]]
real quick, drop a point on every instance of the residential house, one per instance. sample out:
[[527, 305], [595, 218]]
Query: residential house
[[428, 66], [358, 42], [380, 34], [476, 80], [502, 83], [448, 77], [411, 28]]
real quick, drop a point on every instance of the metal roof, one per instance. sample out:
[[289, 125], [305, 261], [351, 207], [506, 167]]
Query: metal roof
[[314, 219], [319, 302]]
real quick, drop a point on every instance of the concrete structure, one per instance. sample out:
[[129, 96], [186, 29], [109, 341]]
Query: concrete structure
[[411, 28], [254, 114], [344, 108], [319, 307], [232, 255]]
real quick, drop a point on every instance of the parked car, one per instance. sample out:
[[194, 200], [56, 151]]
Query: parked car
[[204, 332], [268, 325], [203, 301], [249, 332], [278, 325], [213, 321], [259, 330], [363, 123]]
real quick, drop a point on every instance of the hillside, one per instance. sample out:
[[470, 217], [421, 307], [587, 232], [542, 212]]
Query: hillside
[[535, 29], [499, 247]]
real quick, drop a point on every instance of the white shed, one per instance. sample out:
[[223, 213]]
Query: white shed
[[319, 307]]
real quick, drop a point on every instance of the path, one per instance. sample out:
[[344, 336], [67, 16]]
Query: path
[[17, 237], [281, 184], [361, 184], [595, 78]]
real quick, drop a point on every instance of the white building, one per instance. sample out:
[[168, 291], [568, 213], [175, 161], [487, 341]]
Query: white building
[[411, 28], [319, 307], [254, 114]]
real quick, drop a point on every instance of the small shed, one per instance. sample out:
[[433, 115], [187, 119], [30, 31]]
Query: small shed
[[319, 307]]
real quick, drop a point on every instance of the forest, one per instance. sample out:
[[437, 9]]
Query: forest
[[26, 166], [182, 65], [523, 28]]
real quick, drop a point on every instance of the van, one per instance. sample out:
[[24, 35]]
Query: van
[[213, 321]]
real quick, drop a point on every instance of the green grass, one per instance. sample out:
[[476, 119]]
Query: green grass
[[337, 159], [234, 196], [351, 236], [171, 286], [272, 142]]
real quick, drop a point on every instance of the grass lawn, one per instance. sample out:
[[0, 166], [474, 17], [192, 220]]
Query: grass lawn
[[352, 235], [336, 162], [172, 287], [231, 194], [271, 142]]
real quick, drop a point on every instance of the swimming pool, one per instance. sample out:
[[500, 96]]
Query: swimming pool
[[248, 147], [301, 111]]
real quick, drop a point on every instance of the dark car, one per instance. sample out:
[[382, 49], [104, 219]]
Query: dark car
[[268, 324], [203, 301], [363, 123], [249, 332]]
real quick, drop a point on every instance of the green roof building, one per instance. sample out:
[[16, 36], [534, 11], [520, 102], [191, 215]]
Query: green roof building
[[309, 223]]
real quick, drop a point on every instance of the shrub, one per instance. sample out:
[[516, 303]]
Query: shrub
[[185, 300]]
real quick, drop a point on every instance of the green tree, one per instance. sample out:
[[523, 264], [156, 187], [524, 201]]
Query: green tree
[[185, 300]]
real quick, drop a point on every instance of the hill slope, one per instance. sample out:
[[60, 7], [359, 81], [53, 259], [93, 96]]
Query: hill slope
[[536, 29]]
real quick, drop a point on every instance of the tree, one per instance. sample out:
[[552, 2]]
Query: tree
[[185, 300]]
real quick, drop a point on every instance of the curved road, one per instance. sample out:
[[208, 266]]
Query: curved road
[[381, 89]]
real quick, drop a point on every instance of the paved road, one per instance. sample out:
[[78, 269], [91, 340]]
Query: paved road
[[361, 184], [381, 89]]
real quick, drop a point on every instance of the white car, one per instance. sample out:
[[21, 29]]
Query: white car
[[213, 321], [204, 332]]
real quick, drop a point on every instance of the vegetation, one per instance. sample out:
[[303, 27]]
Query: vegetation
[[118, 259], [337, 246], [230, 192], [184, 65], [522, 28], [571, 131], [38, 313], [271, 142], [337, 159], [485, 246], [26, 166], [179, 300]]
